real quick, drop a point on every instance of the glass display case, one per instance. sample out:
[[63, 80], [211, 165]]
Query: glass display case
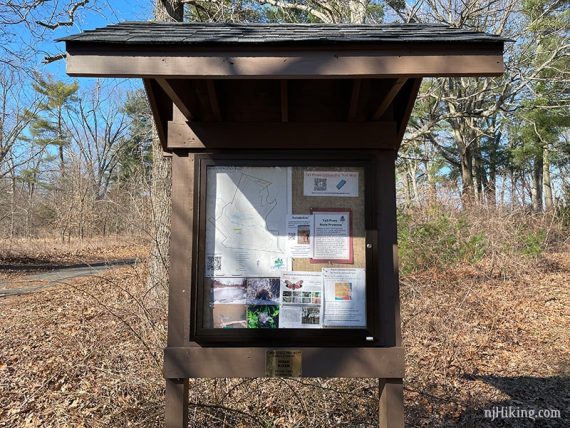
[[282, 248]]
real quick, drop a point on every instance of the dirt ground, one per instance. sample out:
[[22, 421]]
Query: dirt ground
[[88, 354]]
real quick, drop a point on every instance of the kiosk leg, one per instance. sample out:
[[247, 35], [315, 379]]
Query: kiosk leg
[[176, 403], [391, 403]]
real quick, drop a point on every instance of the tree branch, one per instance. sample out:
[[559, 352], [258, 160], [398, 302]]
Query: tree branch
[[296, 6], [70, 14]]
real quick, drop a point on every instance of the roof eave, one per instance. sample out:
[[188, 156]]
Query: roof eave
[[285, 62]]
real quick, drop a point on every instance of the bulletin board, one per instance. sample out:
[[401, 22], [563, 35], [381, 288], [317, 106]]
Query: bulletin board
[[283, 247]]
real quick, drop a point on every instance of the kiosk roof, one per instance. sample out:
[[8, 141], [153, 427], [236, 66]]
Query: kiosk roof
[[201, 34]]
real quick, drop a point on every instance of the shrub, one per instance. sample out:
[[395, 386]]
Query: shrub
[[442, 236], [437, 238]]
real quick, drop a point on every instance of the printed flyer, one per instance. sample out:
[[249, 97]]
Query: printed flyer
[[332, 240], [300, 236], [301, 300], [331, 183], [345, 297]]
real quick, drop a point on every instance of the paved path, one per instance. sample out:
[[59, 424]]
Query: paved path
[[32, 283]]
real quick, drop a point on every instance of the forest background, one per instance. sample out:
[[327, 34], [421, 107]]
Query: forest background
[[483, 172]]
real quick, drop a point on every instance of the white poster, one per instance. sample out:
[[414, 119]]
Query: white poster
[[301, 300], [300, 236], [331, 183], [246, 209], [345, 297], [332, 240]]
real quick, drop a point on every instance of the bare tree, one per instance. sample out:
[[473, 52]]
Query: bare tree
[[35, 19], [17, 111], [465, 118], [98, 130]]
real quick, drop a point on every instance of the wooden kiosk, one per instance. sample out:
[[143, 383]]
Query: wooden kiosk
[[283, 141]]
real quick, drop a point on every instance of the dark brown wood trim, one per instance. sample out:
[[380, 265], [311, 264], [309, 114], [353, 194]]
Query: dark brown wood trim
[[196, 362], [283, 135], [296, 65], [391, 406], [176, 409], [213, 97], [181, 249], [409, 98], [412, 48], [284, 101], [388, 284], [173, 94], [158, 108], [388, 98], [354, 98]]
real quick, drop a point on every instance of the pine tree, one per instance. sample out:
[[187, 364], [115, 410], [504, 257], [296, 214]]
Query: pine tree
[[48, 126]]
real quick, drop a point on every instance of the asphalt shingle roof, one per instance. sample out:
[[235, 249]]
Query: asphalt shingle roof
[[200, 34]]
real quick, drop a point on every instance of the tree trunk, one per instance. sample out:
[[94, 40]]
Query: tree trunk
[[165, 10], [13, 205], [513, 186], [536, 185], [467, 175], [546, 183], [477, 173], [169, 11], [358, 11], [491, 187]]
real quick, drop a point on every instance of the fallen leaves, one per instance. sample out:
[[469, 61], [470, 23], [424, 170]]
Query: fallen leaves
[[471, 342]]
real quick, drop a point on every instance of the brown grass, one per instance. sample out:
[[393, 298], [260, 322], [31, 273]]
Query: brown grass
[[89, 354]]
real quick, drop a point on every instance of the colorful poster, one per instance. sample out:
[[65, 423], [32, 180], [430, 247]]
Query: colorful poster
[[345, 297], [331, 183], [301, 300]]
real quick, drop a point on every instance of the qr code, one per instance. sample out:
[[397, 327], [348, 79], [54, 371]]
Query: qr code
[[214, 263], [320, 184]]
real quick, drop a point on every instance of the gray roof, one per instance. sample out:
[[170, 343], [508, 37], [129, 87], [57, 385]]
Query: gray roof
[[200, 34]]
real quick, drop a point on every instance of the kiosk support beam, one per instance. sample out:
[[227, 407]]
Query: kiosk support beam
[[391, 408], [176, 403], [179, 284], [391, 403]]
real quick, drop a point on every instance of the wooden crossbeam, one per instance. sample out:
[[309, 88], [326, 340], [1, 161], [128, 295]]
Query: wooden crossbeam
[[388, 98], [354, 98], [407, 62], [214, 100], [161, 108], [173, 90], [284, 101]]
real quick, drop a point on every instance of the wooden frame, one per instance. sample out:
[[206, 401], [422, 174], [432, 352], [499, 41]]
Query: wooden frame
[[410, 60], [328, 337], [383, 358]]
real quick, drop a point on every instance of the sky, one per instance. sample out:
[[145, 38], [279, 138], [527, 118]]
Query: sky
[[99, 14]]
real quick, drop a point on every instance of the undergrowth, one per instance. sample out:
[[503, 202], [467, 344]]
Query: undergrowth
[[438, 236]]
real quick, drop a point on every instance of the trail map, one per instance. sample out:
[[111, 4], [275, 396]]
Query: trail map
[[246, 232]]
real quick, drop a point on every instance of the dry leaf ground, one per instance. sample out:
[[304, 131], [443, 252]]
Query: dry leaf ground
[[54, 251], [88, 354]]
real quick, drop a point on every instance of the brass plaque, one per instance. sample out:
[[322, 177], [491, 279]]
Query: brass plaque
[[279, 363]]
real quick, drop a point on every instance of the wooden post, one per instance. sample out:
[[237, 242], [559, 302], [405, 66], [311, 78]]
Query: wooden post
[[176, 403], [391, 409], [391, 403], [179, 281]]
